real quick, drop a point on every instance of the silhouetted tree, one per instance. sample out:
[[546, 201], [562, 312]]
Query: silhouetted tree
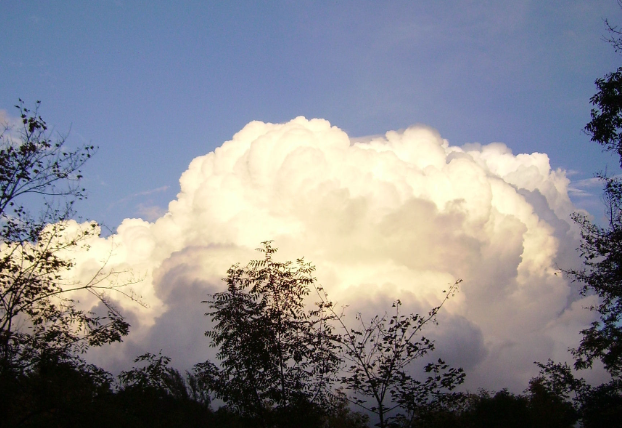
[[340, 415], [277, 359], [55, 392], [153, 394], [601, 406], [601, 273], [157, 375], [547, 409], [503, 409], [36, 319], [430, 401], [601, 247], [606, 123], [378, 354]]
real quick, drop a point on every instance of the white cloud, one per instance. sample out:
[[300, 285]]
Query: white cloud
[[586, 187], [395, 216], [139, 194]]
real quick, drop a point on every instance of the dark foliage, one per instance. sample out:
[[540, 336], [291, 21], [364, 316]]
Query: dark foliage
[[37, 320], [601, 406], [606, 122], [601, 250], [378, 354], [548, 409], [157, 395], [601, 247], [277, 359], [601, 274], [157, 375], [54, 393]]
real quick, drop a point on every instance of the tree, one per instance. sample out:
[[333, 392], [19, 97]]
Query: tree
[[154, 394], [503, 409], [37, 319], [340, 415], [601, 406], [606, 123], [615, 34], [601, 250], [601, 273], [430, 400], [158, 376], [277, 358], [378, 354], [554, 396], [601, 247]]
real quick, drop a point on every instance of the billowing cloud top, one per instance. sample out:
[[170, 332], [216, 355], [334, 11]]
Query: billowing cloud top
[[397, 216]]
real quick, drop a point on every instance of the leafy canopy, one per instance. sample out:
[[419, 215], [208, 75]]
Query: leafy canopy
[[274, 352], [37, 319]]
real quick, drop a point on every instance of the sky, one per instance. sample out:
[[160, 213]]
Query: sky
[[399, 146]]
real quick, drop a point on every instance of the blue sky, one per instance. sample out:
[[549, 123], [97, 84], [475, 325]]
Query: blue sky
[[155, 84]]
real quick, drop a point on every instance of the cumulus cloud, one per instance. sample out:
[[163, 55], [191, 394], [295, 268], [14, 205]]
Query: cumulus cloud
[[395, 216]]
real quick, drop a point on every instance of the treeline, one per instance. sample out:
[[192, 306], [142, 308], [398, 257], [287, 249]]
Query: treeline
[[72, 394]]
